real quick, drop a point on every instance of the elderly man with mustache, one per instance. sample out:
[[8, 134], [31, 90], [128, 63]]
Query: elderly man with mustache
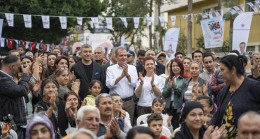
[[109, 126]]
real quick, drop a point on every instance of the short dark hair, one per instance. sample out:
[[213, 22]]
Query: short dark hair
[[242, 43], [141, 130], [59, 58], [196, 51], [239, 62], [178, 53], [66, 95], [10, 59], [154, 117], [208, 54], [141, 53], [235, 51]]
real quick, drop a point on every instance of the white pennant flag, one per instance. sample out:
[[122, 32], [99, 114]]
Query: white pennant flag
[[2, 42], [252, 6], [136, 22], [205, 15], [217, 13], [239, 11], [46, 21], [109, 23], [123, 19], [122, 41], [210, 15], [10, 19], [38, 46], [27, 20], [27, 45], [232, 11], [63, 22], [257, 2], [149, 21], [48, 47], [80, 20], [173, 20], [17, 44], [162, 21], [95, 21]]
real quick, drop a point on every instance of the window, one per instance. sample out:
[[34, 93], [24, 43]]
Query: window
[[250, 48]]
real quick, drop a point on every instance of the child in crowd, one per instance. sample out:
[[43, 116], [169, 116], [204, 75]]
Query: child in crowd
[[95, 87], [199, 90], [155, 123], [208, 107]]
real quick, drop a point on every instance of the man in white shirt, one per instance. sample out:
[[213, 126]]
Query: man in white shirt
[[121, 78]]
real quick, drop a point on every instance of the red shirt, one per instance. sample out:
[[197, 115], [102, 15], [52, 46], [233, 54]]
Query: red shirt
[[163, 137]]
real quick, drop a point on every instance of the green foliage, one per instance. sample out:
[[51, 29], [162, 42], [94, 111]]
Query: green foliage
[[127, 8], [182, 43], [86, 8]]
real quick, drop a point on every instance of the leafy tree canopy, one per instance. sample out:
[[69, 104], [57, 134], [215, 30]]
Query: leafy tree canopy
[[85, 8]]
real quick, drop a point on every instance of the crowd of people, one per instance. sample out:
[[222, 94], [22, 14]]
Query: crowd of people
[[128, 95]]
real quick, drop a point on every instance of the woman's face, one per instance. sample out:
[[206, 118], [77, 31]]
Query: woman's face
[[157, 107], [194, 119], [95, 89], [194, 69], [63, 64], [40, 131], [226, 73], [63, 79], [149, 66], [51, 59], [175, 68], [50, 90], [73, 100], [27, 62], [186, 64], [72, 62]]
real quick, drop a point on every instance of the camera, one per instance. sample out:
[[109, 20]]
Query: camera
[[9, 119]]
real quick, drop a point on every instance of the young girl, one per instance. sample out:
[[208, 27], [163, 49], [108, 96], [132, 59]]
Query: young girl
[[95, 87]]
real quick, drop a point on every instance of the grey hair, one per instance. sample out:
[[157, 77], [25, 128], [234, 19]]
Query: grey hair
[[250, 115], [100, 47], [81, 111], [84, 131], [102, 95], [85, 46], [119, 48]]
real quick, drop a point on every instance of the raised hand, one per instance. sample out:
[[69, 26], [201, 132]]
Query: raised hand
[[141, 77], [114, 127], [36, 87], [218, 132], [75, 86], [170, 83], [205, 89]]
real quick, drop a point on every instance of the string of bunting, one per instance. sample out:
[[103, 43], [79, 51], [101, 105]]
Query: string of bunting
[[109, 20]]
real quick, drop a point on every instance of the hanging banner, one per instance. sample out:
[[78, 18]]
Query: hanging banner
[[210, 15], [171, 42], [173, 19], [213, 32], [1, 27], [241, 29], [239, 11], [46, 22], [232, 11], [123, 19], [80, 20], [63, 22], [217, 14], [136, 22], [149, 21], [27, 20], [10, 19]]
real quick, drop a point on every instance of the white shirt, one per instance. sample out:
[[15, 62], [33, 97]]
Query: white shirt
[[124, 88], [147, 95]]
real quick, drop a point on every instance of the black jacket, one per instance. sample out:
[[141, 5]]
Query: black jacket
[[11, 98], [97, 74]]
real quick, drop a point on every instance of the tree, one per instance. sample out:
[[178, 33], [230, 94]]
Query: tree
[[127, 8], [85, 8], [182, 43]]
